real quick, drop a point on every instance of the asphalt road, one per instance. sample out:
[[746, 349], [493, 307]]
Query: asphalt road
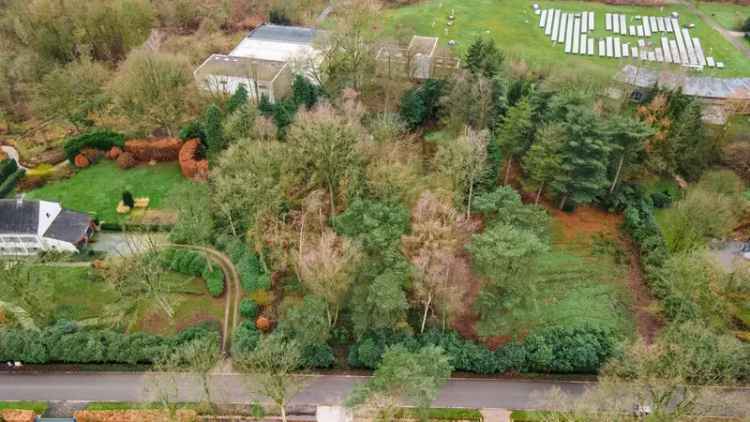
[[229, 388]]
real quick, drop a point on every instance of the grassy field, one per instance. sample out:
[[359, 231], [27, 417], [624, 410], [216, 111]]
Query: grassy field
[[99, 188], [729, 15], [513, 24], [79, 294], [582, 283]]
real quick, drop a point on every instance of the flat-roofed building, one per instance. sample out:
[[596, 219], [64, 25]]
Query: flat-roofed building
[[265, 61]]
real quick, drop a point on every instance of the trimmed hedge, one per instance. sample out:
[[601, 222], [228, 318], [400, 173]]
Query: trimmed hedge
[[66, 342], [101, 139], [549, 350]]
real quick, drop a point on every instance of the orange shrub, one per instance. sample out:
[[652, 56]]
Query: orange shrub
[[263, 324], [189, 165], [18, 415], [126, 161], [114, 153], [144, 150], [81, 161]]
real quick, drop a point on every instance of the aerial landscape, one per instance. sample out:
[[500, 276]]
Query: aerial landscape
[[374, 210]]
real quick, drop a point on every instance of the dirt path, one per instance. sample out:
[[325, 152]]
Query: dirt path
[[647, 322], [232, 290], [730, 36]]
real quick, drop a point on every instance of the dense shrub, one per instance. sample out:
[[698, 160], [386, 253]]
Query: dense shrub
[[552, 350], [66, 342], [7, 167], [245, 338], [247, 263], [125, 161], [248, 308], [317, 356], [214, 281], [81, 161], [422, 104], [10, 182], [102, 140], [193, 130]]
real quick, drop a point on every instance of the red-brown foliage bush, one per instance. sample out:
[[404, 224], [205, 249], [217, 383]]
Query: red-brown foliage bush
[[144, 150], [92, 154], [17, 415], [190, 165], [263, 324], [113, 153], [126, 161], [81, 161], [133, 416]]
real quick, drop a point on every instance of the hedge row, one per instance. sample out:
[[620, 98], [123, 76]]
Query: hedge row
[[101, 139], [246, 337], [641, 225], [194, 263], [550, 350], [65, 342]]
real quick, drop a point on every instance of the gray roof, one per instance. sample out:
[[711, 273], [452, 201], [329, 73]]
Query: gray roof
[[698, 86], [69, 226], [289, 34], [19, 216]]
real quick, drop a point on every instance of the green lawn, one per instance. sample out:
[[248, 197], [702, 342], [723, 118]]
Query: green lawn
[[578, 287], [513, 24], [99, 188], [39, 407], [79, 294], [729, 15]]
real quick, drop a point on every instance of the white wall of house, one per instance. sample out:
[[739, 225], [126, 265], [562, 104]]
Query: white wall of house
[[229, 84], [29, 244], [48, 211]]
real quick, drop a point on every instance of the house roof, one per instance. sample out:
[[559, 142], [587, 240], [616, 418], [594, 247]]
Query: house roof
[[69, 226], [19, 216], [698, 86], [240, 67], [287, 34]]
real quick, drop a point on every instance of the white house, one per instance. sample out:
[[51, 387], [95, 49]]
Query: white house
[[28, 227], [265, 61]]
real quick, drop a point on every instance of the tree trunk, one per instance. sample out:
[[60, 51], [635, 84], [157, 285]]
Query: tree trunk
[[333, 204], [539, 194], [468, 205], [507, 170], [563, 201], [426, 309], [283, 413], [617, 174]]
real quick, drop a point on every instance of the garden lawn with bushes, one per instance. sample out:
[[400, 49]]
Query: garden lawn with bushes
[[98, 189], [514, 26], [583, 281]]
